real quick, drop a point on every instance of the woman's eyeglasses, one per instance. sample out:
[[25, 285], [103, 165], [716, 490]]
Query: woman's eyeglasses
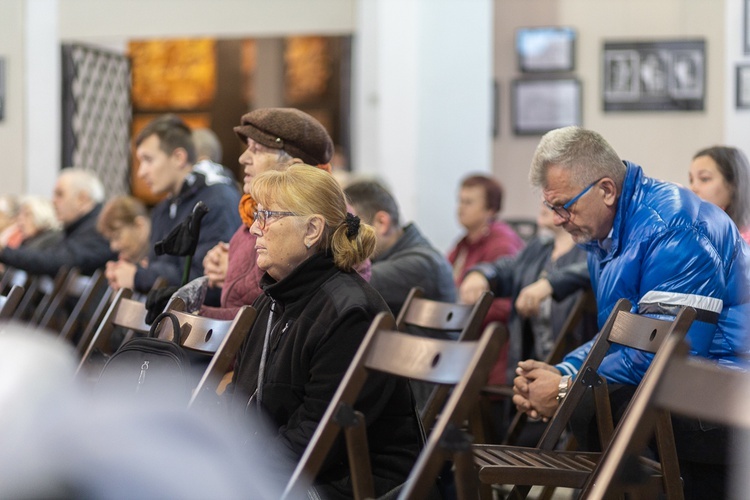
[[262, 216]]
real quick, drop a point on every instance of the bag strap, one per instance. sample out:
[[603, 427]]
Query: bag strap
[[177, 331]]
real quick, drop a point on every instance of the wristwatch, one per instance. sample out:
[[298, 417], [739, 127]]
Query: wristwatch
[[562, 387]]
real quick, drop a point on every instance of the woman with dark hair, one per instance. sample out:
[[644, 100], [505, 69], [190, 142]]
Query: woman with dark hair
[[312, 316], [480, 200], [721, 175]]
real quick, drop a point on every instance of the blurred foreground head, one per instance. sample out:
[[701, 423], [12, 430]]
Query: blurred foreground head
[[58, 442]]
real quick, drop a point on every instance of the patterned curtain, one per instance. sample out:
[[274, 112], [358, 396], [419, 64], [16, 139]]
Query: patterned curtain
[[97, 114]]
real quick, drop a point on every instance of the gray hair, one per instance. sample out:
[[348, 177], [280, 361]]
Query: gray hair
[[207, 144], [583, 152], [84, 181], [42, 212]]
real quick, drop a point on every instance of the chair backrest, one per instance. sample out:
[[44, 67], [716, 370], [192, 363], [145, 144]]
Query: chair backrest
[[39, 292], [124, 313], [448, 320], [680, 384], [9, 302], [624, 328], [526, 228], [86, 292], [454, 320], [102, 306], [221, 339], [462, 365], [12, 276]]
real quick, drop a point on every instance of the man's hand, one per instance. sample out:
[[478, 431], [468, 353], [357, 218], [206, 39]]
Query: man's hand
[[120, 274], [215, 264], [530, 296], [472, 287], [535, 389]]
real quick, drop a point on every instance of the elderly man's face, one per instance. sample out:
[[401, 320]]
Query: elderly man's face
[[591, 216], [67, 201]]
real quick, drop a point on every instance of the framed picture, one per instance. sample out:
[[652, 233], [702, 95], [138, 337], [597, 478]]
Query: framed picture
[[540, 105], [654, 76], [743, 86], [545, 49]]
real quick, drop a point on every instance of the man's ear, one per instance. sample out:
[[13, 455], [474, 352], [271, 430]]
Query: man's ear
[[381, 221], [314, 230], [180, 156], [609, 188]]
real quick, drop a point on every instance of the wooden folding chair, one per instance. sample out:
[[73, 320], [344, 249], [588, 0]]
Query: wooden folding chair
[[9, 302], [86, 292], [462, 365], [220, 339], [39, 293], [12, 276], [446, 320], [97, 315], [676, 384], [523, 467], [124, 313]]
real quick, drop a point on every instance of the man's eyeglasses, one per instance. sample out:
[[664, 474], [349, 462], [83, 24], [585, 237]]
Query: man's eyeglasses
[[262, 216], [564, 210]]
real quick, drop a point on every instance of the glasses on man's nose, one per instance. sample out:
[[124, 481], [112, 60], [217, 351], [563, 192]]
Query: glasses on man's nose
[[564, 210], [262, 216]]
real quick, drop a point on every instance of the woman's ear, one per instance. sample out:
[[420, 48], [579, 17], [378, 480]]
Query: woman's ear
[[314, 230]]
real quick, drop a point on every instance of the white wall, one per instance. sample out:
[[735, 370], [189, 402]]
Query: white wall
[[737, 121], [12, 165], [43, 121], [86, 20], [662, 142], [422, 117]]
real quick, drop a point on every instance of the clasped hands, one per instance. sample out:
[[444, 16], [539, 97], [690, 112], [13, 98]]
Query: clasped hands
[[535, 389]]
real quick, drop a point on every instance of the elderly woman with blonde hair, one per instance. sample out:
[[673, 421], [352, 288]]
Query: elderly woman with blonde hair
[[312, 317], [38, 223]]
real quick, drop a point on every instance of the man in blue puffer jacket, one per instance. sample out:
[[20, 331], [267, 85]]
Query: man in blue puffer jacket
[[659, 246]]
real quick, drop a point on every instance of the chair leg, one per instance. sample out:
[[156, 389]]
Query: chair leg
[[358, 451], [466, 476]]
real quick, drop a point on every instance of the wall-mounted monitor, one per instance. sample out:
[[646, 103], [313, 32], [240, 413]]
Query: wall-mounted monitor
[[545, 49]]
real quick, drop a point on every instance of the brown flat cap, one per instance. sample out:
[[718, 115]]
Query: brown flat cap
[[290, 129]]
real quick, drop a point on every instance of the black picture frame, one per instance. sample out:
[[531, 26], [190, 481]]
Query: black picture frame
[[665, 75], [742, 81], [544, 104], [545, 49]]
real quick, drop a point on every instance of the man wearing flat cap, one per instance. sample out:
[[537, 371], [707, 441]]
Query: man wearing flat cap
[[275, 138]]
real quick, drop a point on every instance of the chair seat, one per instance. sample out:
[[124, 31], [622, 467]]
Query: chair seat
[[532, 466]]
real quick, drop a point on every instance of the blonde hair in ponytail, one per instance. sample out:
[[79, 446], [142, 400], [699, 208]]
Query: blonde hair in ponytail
[[307, 191]]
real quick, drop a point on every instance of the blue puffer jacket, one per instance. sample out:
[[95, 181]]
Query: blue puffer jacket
[[668, 248]]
